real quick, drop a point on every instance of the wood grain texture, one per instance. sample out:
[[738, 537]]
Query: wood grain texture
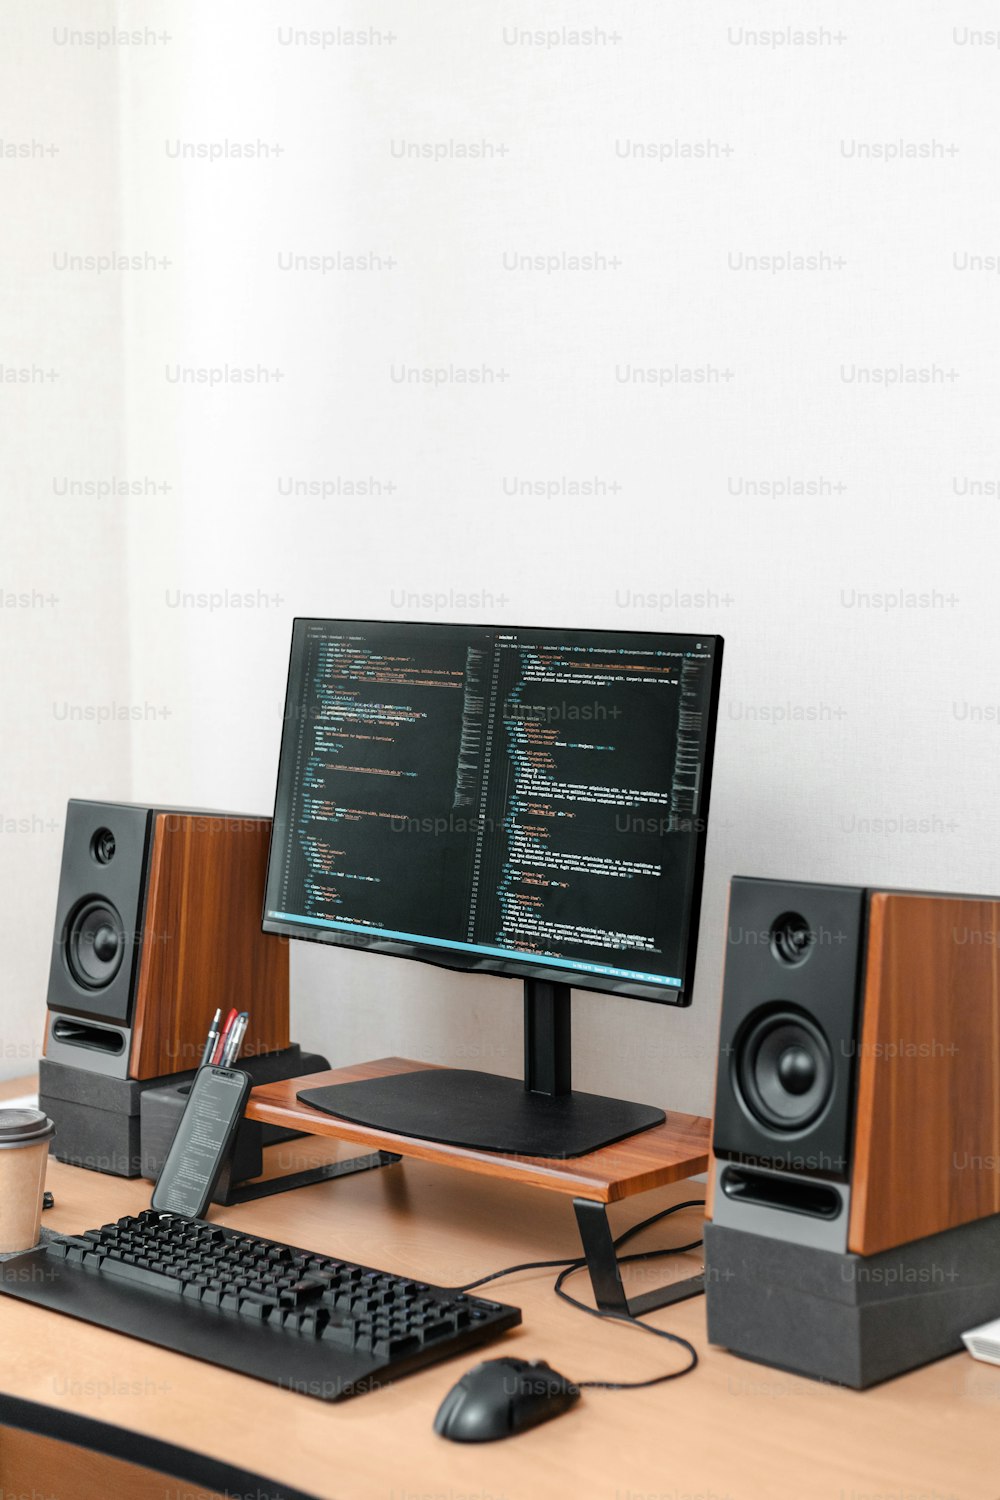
[[33, 1467], [651, 1159], [202, 943], [710, 1180], [731, 1429], [927, 1141]]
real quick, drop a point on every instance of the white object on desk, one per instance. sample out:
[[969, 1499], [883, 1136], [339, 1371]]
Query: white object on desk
[[984, 1342]]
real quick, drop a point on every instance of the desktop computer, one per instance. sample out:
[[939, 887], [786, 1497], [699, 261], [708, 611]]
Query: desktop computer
[[523, 802], [530, 803]]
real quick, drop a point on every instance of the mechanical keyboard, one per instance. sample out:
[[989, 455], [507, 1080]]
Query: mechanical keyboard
[[307, 1322]]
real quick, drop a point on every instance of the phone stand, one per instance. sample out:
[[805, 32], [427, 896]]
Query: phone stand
[[161, 1109]]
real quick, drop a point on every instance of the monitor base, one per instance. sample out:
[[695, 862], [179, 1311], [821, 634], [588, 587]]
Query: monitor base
[[481, 1111]]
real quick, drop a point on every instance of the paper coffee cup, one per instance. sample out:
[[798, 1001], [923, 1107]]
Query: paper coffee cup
[[24, 1151]]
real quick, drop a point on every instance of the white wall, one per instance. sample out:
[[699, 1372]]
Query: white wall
[[857, 742], [63, 620]]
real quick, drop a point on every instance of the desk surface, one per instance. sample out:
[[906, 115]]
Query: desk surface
[[730, 1431]]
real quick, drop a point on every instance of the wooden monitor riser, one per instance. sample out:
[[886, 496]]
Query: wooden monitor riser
[[652, 1159]]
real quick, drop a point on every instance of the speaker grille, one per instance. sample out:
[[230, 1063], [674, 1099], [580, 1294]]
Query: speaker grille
[[784, 1070], [791, 995], [99, 918], [94, 942]]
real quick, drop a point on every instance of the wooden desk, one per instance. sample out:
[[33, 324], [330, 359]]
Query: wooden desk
[[730, 1431]]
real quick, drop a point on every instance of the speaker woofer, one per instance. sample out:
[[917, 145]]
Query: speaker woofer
[[784, 1070], [94, 943]]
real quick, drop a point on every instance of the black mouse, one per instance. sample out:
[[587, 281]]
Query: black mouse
[[501, 1397]]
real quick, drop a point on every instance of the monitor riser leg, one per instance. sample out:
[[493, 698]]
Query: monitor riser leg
[[605, 1275], [248, 1192]]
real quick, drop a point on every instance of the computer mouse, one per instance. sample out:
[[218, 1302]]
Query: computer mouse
[[501, 1397]]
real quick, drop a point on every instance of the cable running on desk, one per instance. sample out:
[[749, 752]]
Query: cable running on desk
[[569, 1267]]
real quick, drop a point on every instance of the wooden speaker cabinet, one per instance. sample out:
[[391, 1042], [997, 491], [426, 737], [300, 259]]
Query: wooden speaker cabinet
[[857, 1114], [158, 922], [859, 1069]]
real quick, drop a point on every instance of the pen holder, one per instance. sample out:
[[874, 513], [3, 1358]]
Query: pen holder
[[160, 1111], [98, 1119]]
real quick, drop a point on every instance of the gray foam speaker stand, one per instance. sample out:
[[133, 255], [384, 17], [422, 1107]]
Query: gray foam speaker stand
[[91, 1090], [97, 1139], [98, 1121], [849, 1319]]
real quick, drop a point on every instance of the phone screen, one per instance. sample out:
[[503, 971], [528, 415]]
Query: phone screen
[[200, 1147]]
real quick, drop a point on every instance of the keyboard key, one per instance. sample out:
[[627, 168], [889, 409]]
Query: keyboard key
[[314, 1321], [396, 1344], [435, 1328], [140, 1277], [302, 1291], [339, 1331], [256, 1308]]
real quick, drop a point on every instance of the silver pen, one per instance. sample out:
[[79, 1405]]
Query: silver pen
[[211, 1040], [235, 1039]]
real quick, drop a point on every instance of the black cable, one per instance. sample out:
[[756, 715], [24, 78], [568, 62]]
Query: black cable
[[528, 1265], [578, 1263], [569, 1260], [632, 1321], [664, 1213]]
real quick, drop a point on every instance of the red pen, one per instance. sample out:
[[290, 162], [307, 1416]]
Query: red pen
[[220, 1045]]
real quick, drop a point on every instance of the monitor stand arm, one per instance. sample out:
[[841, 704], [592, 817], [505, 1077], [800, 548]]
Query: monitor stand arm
[[548, 1058], [548, 1069]]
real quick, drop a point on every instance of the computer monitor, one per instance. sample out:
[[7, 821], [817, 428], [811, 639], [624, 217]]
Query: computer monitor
[[524, 802]]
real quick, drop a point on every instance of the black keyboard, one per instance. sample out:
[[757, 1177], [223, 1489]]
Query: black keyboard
[[307, 1322]]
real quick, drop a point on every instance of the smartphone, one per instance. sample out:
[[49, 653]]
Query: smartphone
[[201, 1147]]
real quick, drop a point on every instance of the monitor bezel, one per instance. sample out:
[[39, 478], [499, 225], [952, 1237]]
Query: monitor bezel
[[504, 968]]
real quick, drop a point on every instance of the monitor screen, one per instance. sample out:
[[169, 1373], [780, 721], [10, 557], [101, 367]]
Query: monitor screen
[[524, 802]]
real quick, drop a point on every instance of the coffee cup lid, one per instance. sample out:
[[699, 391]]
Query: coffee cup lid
[[21, 1127]]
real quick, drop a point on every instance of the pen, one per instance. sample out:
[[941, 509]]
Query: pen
[[211, 1039], [235, 1039], [220, 1045]]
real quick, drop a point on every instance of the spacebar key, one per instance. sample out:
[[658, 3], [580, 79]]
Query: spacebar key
[[139, 1276]]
